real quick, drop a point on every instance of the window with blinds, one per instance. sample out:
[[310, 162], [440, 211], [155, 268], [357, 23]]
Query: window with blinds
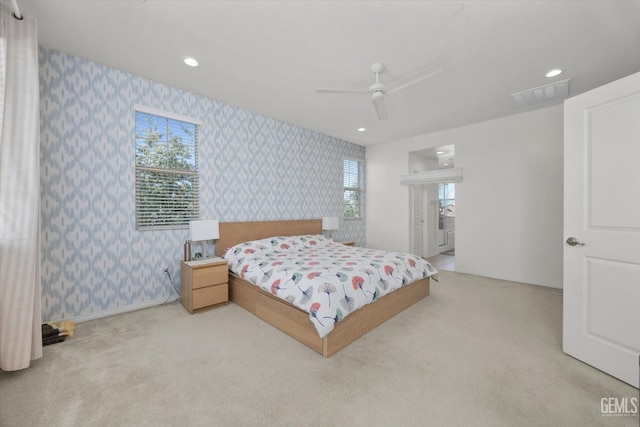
[[352, 188], [167, 186]]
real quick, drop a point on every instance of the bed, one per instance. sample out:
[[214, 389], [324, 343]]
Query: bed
[[292, 320]]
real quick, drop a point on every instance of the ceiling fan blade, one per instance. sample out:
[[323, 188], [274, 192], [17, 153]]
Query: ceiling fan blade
[[381, 107], [344, 91], [412, 79]]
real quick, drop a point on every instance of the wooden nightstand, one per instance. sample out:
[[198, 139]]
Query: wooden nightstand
[[349, 243], [204, 283]]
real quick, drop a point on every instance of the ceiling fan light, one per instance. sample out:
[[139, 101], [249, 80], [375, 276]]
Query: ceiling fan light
[[378, 95]]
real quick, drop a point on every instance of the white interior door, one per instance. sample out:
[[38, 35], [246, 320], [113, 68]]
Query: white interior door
[[417, 219], [602, 228]]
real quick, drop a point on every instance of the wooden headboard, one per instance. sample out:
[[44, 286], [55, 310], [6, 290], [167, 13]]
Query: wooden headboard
[[232, 233]]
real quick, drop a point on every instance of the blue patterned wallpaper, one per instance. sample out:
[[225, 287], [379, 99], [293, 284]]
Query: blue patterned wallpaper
[[94, 261]]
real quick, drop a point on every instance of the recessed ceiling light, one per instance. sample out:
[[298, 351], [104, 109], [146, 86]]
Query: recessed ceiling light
[[191, 62], [439, 152], [361, 129], [445, 164], [554, 73]]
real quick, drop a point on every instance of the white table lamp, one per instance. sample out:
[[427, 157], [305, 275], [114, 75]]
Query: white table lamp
[[330, 224], [202, 231]]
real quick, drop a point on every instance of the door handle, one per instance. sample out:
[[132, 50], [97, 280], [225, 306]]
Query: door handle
[[572, 241]]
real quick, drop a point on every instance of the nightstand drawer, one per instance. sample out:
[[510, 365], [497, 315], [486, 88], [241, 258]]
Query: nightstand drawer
[[207, 276], [211, 295], [204, 284]]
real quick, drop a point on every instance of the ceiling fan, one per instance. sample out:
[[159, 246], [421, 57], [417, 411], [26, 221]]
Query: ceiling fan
[[378, 90]]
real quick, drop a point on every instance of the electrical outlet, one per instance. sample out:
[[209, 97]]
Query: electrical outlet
[[166, 269]]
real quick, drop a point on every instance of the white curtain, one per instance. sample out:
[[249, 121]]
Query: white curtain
[[20, 304]]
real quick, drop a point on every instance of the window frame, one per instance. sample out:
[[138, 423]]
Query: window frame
[[194, 174], [359, 190]]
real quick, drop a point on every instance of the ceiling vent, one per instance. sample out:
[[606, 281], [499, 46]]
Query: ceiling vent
[[551, 92]]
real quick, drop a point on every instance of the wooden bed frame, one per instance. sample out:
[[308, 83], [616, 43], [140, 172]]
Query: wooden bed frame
[[289, 318]]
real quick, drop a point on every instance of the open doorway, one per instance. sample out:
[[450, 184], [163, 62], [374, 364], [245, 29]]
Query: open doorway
[[447, 218], [445, 259], [433, 208]]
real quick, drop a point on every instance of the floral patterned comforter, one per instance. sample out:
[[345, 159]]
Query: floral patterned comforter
[[325, 278]]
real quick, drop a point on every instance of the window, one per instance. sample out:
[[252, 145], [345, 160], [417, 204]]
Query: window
[[167, 187], [352, 189]]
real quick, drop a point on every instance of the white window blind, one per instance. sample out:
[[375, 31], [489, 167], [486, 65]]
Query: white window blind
[[167, 185], [352, 188]]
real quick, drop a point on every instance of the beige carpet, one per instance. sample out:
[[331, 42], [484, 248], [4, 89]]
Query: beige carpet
[[476, 352]]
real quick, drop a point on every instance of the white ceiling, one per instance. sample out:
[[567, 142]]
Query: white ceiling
[[270, 56]]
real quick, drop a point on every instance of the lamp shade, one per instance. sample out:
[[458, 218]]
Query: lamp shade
[[330, 223], [203, 230]]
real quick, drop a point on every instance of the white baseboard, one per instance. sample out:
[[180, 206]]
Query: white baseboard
[[124, 309]]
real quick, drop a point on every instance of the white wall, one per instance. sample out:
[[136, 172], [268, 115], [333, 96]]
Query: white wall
[[508, 207]]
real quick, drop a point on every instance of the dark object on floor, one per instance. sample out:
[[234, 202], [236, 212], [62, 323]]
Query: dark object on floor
[[56, 332], [53, 340], [51, 334], [49, 331], [451, 252]]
